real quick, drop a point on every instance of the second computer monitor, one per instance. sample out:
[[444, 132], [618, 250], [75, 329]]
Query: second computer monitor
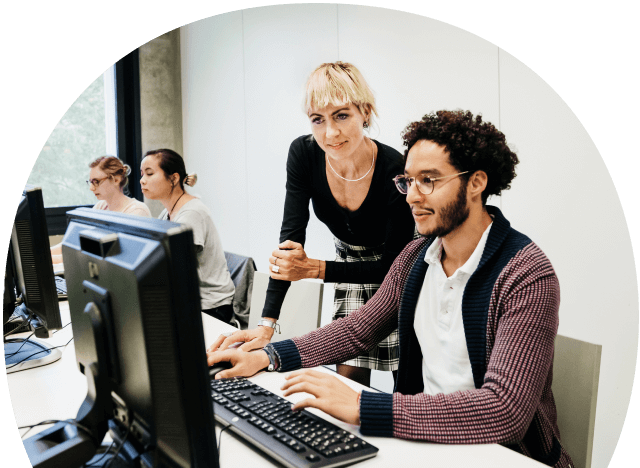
[[31, 262], [135, 310]]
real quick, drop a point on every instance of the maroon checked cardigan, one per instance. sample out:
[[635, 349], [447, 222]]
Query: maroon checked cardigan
[[510, 316]]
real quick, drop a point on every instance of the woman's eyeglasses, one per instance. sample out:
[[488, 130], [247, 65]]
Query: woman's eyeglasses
[[425, 183], [95, 183]]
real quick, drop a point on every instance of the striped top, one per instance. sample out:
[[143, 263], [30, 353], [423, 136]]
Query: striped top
[[510, 315]]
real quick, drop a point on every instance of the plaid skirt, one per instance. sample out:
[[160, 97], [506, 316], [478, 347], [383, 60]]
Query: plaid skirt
[[349, 297]]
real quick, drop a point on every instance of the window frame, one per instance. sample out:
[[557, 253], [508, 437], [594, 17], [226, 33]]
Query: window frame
[[128, 135]]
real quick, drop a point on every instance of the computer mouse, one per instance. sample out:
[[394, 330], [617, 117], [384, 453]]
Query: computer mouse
[[219, 366]]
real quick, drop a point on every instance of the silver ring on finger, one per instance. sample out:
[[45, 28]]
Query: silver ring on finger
[[276, 262], [275, 268], [228, 334]]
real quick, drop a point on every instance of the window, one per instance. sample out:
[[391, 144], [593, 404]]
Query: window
[[104, 120], [86, 131]]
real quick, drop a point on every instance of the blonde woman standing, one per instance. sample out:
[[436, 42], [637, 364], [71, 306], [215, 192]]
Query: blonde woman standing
[[348, 178]]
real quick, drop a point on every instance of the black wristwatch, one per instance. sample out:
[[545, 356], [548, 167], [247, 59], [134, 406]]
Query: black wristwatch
[[273, 357]]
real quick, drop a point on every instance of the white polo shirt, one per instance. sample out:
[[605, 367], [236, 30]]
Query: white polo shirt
[[438, 322]]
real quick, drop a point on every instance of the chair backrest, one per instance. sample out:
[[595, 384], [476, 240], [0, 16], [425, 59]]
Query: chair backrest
[[241, 269], [300, 311], [576, 372]]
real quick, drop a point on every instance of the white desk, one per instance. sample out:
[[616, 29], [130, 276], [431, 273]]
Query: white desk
[[57, 390]]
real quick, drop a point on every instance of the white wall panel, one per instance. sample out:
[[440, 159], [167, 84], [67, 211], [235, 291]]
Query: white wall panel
[[282, 46], [417, 65], [213, 122]]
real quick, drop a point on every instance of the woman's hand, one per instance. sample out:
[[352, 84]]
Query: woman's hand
[[257, 338], [244, 364], [290, 263], [331, 395]]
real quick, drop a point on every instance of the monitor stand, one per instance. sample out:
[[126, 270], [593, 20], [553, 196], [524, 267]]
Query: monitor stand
[[22, 354], [75, 442]]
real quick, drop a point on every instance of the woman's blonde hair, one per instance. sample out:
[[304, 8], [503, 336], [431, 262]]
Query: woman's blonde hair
[[339, 83], [112, 166]]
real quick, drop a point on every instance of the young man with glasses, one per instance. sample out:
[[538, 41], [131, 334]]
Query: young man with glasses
[[475, 302]]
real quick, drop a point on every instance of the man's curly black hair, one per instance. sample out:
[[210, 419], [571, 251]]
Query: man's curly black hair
[[473, 145]]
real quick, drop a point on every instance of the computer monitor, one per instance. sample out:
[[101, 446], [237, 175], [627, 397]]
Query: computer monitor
[[29, 280], [134, 299]]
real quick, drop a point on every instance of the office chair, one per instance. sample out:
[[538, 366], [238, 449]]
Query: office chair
[[242, 270], [576, 373], [300, 311]]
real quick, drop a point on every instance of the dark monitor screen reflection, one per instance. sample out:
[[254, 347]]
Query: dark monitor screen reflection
[[30, 296], [134, 299]]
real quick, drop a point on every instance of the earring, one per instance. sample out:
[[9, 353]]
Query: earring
[[365, 125]]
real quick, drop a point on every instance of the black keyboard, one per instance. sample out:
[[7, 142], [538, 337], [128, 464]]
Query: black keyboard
[[295, 439]]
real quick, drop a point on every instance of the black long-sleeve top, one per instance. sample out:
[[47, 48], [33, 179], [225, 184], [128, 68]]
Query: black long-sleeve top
[[384, 217]]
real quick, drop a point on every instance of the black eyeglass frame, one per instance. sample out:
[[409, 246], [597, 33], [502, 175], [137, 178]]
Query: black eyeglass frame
[[430, 181]]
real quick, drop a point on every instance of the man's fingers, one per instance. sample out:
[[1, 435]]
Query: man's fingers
[[308, 375], [237, 337], [310, 381], [225, 374], [220, 340], [306, 403], [256, 343], [216, 344], [218, 356]]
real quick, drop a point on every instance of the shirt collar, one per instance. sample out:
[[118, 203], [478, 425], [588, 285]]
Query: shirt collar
[[434, 253]]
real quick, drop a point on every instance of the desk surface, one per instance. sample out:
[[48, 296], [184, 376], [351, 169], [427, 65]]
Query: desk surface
[[56, 391]]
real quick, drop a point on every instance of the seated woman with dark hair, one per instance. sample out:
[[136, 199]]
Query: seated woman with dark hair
[[163, 176]]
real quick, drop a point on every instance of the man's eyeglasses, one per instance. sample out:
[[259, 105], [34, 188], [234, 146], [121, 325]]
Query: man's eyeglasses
[[95, 183], [425, 183]]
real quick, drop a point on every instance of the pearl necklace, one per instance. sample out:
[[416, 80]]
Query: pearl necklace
[[353, 180]]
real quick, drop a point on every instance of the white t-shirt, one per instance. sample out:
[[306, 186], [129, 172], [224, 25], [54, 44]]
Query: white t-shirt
[[216, 286], [438, 322], [134, 207]]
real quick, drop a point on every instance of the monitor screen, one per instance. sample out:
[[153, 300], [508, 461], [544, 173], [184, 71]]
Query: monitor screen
[[30, 300], [135, 311]]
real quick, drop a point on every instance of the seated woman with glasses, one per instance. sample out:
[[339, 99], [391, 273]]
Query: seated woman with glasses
[[348, 178], [163, 177], [108, 181]]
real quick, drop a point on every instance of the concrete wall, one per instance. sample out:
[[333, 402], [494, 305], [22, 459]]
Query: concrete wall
[[161, 98]]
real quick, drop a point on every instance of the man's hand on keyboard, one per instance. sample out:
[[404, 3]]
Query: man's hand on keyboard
[[244, 364], [331, 395]]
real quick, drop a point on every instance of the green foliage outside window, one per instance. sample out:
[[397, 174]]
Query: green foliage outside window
[[79, 137]]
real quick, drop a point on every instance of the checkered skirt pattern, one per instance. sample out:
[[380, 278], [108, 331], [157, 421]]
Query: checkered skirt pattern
[[349, 297]]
